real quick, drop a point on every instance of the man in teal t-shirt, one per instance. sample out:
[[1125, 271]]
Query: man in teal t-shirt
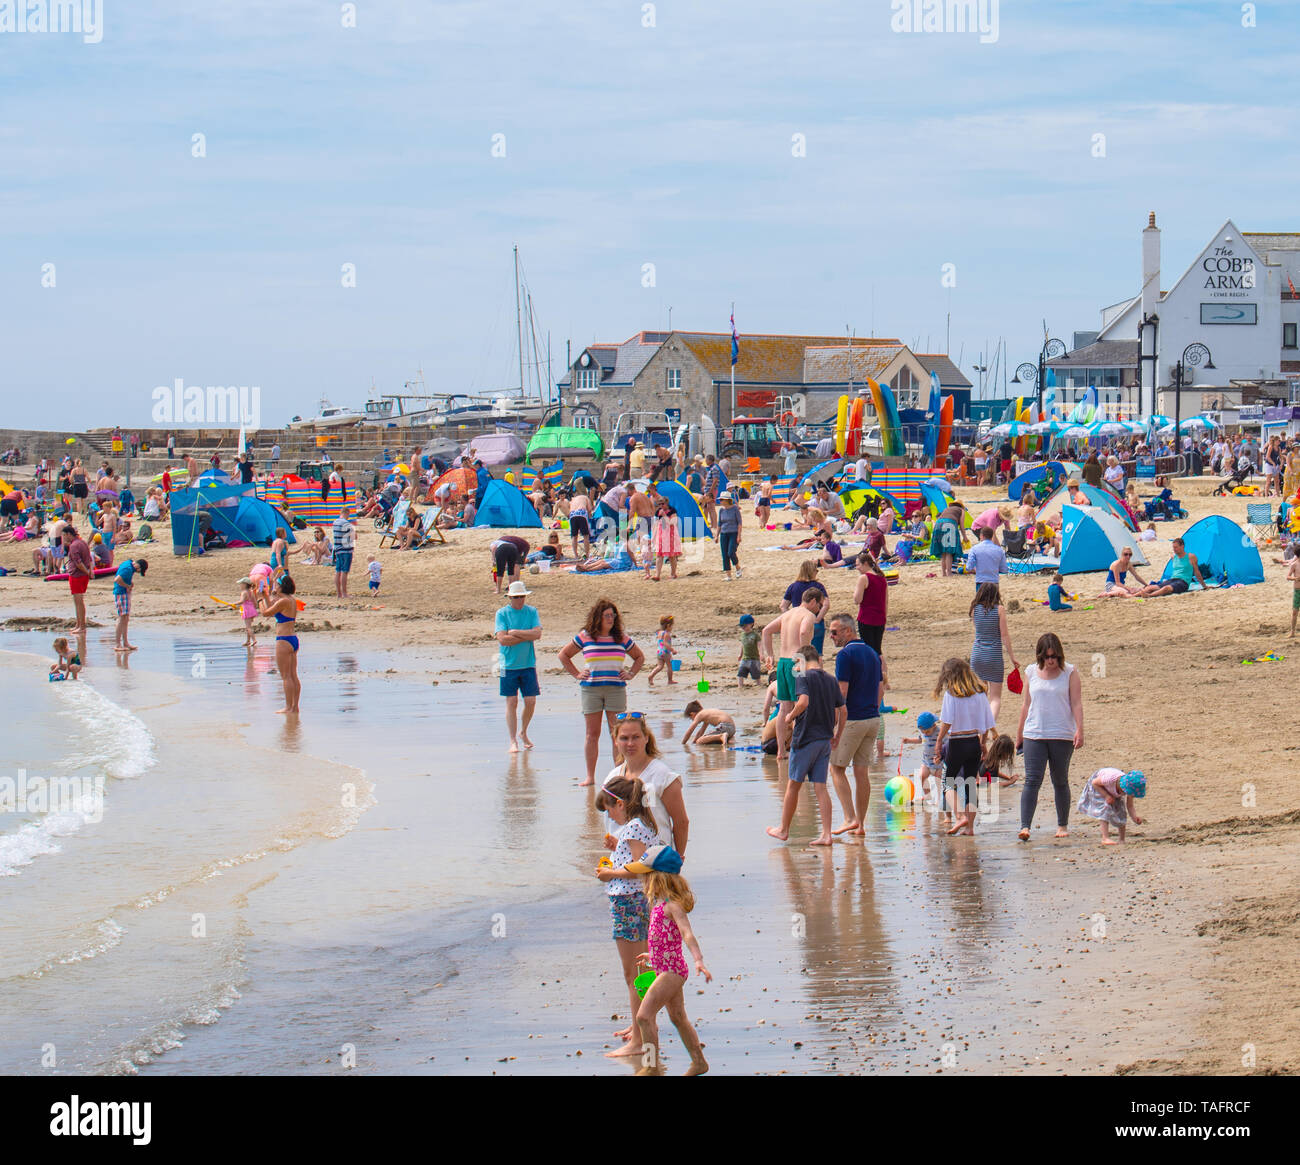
[[518, 627]]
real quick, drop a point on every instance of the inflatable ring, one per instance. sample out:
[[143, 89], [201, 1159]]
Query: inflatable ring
[[788, 418]]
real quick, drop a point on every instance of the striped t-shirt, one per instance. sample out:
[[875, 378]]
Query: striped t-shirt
[[604, 658]]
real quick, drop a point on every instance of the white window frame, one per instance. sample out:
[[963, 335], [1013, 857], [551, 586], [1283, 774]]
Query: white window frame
[[588, 374], [677, 372]]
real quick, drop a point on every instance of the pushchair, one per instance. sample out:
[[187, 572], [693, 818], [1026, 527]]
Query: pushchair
[[1240, 476]]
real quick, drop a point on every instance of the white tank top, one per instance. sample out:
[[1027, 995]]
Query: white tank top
[[1049, 716]]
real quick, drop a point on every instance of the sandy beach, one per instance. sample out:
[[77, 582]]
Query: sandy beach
[[904, 952]]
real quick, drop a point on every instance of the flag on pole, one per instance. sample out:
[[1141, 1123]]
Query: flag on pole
[[735, 342], [1291, 286]]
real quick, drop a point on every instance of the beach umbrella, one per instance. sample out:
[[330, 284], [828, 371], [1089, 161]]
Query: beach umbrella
[[1049, 428], [1190, 424], [1108, 429], [1011, 429], [1156, 420]]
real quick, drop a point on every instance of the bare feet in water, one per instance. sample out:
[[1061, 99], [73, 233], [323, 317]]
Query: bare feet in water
[[778, 833]]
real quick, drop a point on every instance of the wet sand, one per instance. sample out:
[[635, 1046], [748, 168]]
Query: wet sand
[[910, 942]]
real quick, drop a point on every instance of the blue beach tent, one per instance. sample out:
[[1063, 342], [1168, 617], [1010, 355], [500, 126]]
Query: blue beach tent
[[233, 511], [504, 505], [1061, 469], [1224, 552], [1091, 539], [1102, 499], [689, 515]]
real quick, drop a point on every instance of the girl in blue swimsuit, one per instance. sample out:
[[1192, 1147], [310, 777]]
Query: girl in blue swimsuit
[[284, 607]]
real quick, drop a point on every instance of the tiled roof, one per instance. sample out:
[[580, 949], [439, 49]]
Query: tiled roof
[[1103, 354], [621, 363], [847, 362], [763, 359], [1267, 241], [950, 376]]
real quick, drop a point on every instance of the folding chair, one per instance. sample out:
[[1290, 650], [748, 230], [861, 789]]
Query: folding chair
[[395, 519], [430, 533], [1260, 519], [1016, 544]]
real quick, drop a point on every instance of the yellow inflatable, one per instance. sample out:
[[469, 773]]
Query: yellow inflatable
[[841, 426]]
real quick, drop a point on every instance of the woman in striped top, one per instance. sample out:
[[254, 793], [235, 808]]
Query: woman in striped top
[[604, 674]]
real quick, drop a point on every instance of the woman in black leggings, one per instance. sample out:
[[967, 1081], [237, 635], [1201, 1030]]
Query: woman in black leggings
[[1051, 728]]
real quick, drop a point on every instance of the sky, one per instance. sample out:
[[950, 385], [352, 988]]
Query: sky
[[634, 134]]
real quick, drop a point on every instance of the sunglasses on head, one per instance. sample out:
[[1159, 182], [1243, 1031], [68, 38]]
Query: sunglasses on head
[[630, 716]]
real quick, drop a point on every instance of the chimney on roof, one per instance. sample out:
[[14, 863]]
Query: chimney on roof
[[1150, 266]]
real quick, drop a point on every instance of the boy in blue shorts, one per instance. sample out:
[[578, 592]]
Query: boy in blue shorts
[[821, 713], [518, 627]]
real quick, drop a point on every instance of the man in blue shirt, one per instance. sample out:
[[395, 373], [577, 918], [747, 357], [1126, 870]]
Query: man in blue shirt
[[518, 627], [986, 558], [857, 667], [123, 584]]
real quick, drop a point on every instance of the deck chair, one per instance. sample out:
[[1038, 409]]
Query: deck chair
[[1260, 519], [430, 534], [395, 519]]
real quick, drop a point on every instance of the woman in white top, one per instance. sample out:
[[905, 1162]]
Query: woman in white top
[[1051, 728], [966, 722], [638, 756], [1114, 475]]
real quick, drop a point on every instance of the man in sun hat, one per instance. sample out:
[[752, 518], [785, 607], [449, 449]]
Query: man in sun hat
[[518, 627]]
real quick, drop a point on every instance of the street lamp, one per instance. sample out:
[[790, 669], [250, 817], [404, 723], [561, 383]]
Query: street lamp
[[1029, 374], [1195, 355]]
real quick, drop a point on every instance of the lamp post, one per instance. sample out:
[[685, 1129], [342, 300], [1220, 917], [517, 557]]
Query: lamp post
[[1195, 355], [1027, 373]]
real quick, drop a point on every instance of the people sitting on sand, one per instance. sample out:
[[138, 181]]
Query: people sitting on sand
[[318, 551], [1183, 571], [1117, 586], [827, 548], [709, 725]]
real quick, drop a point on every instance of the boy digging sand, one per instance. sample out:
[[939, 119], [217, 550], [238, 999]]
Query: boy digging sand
[[713, 725]]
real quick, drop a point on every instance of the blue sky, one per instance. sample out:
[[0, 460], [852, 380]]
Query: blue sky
[[625, 145]]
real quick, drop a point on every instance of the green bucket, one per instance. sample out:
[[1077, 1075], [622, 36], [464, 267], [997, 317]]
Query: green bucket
[[642, 982]]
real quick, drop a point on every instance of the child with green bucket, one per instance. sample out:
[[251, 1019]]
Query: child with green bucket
[[672, 900], [623, 798]]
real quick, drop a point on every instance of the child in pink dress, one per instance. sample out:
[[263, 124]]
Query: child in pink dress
[[669, 928], [666, 541], [1108, 795]]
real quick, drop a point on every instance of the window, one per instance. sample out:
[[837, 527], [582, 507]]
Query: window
[[1288, 335], [587, 380], [674, 380]]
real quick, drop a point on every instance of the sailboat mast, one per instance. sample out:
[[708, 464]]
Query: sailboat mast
[[519, 323]]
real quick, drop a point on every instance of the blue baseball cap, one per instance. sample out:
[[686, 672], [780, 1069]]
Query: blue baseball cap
[[658, 859], [926, 720], [745, 620]]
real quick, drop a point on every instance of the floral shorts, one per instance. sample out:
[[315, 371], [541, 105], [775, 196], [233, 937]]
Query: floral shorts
[[631, 914]]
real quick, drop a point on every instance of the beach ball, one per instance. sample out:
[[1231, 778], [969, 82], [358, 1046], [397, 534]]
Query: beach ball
[[898, 792]]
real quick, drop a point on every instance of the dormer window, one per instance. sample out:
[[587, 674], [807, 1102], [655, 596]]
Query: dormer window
[[587, 381]]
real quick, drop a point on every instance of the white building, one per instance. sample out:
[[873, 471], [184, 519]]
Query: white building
[[1237, 301]]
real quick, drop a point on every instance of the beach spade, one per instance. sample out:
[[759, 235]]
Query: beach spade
[[703, 685]]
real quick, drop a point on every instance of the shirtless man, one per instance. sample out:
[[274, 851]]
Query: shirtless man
[[640, 515], [192, 468], [713, 725], [796, 629]]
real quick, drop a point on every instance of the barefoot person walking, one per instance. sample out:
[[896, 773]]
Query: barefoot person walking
[[1051, 728], [77, 552], [123, 587], [821, 711], [796, 630], [284, 607], [518, 627]]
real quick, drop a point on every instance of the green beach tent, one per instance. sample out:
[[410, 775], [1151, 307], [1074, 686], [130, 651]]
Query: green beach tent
[[559, 441]]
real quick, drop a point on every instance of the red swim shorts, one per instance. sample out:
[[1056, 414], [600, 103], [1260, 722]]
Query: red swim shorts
[[78, 584]]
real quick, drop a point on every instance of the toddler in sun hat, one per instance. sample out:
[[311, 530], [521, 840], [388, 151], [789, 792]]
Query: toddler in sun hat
[[927, 726], [1108, 795]]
